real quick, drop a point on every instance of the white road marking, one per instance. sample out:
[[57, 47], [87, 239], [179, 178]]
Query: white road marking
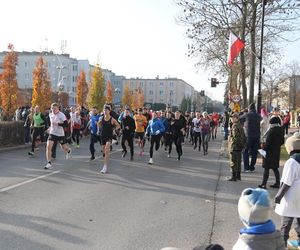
[[28, 181]]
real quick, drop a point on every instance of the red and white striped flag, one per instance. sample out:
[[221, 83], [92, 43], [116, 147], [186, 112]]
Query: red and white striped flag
[[235, 46]]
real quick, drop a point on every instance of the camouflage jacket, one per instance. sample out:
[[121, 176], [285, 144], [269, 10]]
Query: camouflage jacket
[[237, 138]]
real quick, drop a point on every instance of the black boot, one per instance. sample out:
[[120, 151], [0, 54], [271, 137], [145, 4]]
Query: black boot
[[233, 176], [238, 176]]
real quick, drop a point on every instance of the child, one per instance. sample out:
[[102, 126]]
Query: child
[[260, 233], [287, 199]]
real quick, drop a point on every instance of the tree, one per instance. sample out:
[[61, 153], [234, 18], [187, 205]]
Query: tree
[[96, 96], [185, 104], [209, 22], [81, 89], [141, 97], [109, 92], [127, 96], [41, 92], [9, 84]]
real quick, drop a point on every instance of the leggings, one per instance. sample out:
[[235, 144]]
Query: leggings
[[37, 131], [168, 142], [196, 136], [155, 139], [129, 139], [76, 132], [178, 139], [205, 139]]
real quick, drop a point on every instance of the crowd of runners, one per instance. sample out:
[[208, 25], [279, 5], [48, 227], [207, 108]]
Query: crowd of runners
[[162, 128]]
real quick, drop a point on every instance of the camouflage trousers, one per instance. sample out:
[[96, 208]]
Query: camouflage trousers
[[235, 158]]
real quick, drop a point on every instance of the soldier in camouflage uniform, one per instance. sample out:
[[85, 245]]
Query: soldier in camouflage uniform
[[236, 144]]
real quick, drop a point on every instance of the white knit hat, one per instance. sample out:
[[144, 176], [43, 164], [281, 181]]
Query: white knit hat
[[293, 142], [254, 206]]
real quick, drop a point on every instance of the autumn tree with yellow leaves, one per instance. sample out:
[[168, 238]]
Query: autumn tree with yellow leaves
[[9, 84], [109, 92], [41, 91], [81, 89], [127, 96], [96, 97]]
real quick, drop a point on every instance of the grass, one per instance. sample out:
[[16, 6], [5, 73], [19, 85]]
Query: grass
[[283, 154]]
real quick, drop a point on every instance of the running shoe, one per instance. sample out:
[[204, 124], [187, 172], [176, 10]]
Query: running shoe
[[124, 154], [150, 161], [77, 146], [31, 153], [169, 156], [104, 169], [68, 155], [92, 158], [48, 166], [293, 244]]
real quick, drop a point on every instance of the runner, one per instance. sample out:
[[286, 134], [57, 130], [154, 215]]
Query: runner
[[140, 125], [106, 125], [93, 125], [56, 133], [154, 130], [215, 122], [197, 130], [178, 130], [128, 128], [205, 131], [76, 127], [38, 123], [168, 133]]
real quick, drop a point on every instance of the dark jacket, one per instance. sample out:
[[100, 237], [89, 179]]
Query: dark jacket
[[252, 124], [128, 121], [274, 140]]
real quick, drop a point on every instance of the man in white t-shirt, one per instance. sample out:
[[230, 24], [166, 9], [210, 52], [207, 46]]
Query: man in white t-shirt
[[288, 197], [56, 133], [197, 130]]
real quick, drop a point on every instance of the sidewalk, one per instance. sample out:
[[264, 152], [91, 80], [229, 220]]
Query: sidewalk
[[227, 223]]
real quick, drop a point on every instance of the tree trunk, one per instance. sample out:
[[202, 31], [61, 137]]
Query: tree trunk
[[253, 54], [243, 62]]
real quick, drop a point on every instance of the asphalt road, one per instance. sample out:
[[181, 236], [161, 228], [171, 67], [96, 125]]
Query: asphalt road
[[135, 206]]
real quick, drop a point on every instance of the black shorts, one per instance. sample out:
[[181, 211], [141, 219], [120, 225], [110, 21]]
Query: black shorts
[[139, 135], [105, 139], [60, 139]]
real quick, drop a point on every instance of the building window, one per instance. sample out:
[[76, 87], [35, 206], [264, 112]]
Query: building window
[[27, 76], [26, 64], [141, 84], [161, 84], [171, 84], [73, 89], [150, 92], [161, 92], [151, 84]]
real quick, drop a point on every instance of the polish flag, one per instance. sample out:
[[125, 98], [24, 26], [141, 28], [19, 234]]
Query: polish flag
[[235, 46]]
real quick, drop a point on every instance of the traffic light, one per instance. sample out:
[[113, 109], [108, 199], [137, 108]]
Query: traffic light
[[202, 93], [213, 82]]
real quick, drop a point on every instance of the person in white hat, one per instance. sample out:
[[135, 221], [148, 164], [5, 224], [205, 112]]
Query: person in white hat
[[288, 199]]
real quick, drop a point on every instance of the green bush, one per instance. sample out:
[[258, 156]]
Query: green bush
[[12, 133]]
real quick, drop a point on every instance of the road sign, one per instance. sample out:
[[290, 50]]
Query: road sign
[[236, 98], [236, 108]]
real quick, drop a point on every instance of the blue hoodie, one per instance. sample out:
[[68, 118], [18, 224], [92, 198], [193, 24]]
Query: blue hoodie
[[93, 124], [155, 125]]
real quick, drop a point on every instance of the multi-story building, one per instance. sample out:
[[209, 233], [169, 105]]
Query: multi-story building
[[63, 71], [169, 91]]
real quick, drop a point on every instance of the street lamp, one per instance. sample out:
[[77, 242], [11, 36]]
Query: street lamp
[[259, 95]]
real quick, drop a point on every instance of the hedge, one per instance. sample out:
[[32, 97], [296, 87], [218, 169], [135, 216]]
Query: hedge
[[12, 133]]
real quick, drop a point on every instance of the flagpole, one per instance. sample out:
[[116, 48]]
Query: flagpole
[[259, 95]]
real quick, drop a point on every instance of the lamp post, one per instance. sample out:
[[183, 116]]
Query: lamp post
[[259, 95]]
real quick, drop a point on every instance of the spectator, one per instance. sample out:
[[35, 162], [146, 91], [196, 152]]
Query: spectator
[[274, 140], [264, 124], [260, 233], [287, 199], [236, 144], [226, 125], [252, 128], [286, 122]]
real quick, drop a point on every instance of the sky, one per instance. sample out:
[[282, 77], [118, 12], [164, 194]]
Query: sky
[[134, 38]]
